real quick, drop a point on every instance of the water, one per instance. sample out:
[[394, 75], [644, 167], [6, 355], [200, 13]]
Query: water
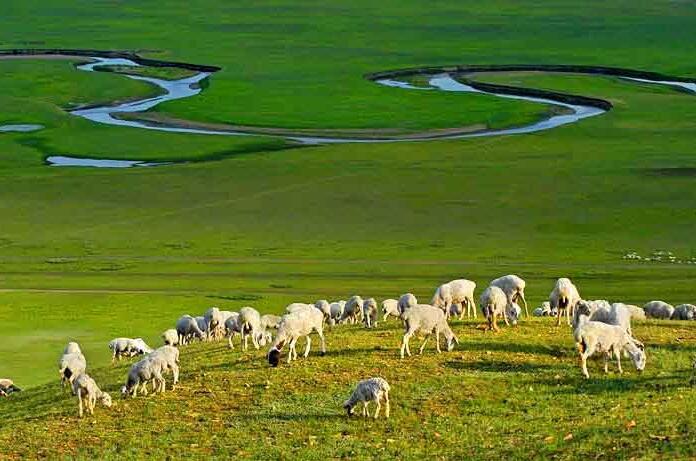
[[26, 128]]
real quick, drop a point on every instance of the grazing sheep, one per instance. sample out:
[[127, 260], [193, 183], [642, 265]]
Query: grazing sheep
[[369, 308], [563, 298], [336, 312], [406, 301], [324, 307], [250, 322], [601, 311], [292, 327], [596, 337], [232, 327], [72, 348], [203, 326], [170, 356], [294, 307], [170, 337], [87, 392], [513, 287], [71, 364], [426, 319], [148, 369], [352, 311], [543, 311], [270, 321], [455, 291], [369, 390], [390, 307], [7, 387], [494, 303], [637, 313], [127, 347], [214, 321], [658, 310], [187, 328], [684, 312]]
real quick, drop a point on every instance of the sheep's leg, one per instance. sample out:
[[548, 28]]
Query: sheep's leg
[[292, 350], [607, 356], [255, 339], [618, 360], [386, 404], [79, 402], [384, 317], [524, 301], [379, 406], [175, 372], [92, 403], [505, 316], [366, 412], [307, 347], [495, 322], [135, 390], [404, 344], [323, 341], [229, 341], [420, 351], [558, 316]]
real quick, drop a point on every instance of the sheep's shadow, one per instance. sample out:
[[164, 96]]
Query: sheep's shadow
[[540, 349], [613, 383], [290, 416], [500, 366]]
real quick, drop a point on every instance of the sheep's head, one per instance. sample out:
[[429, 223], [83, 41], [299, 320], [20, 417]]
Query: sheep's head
[[514, 313], [274, 357], [261, 339], [636, 350], [106, 399], [348, 407], [451, 340], [124, 391]]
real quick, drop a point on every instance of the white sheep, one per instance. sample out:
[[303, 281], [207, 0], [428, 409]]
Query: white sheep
[[596, 337], [71, 364], [203, 326], [369, 308], [658, 310], [455, 291], [494, 303], [187, 328], [543, 311], [563, 298], [352, 311], [72, 348], [601, 311], [170, 356], [390, 307], [513, 287], [232, 327], [170, 337], [7, 387], [146, 370], [637, 313], [684, 312], [294, 307], [87, 392], [250, 322], [127, 347], [292, 327], [369, 390], [336, 311], [426, 319], [270, 321], [214, 321], [325, 308], [406, 301]]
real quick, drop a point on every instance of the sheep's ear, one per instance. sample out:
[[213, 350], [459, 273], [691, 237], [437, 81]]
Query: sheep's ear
[[640, 345]]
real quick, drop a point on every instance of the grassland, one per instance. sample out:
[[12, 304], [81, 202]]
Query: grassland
[[90, 254]]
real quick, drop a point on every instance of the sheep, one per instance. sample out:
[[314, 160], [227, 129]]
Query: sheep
[[684, 312], [87, 392], [232, 327], [148, 369], [215, 321], [406, 301], [7, 387], [352, 311], [170, 337], [127, 347], [597, 337], [616, 314], [563, 298], [72, 348], [455, 291], [658, 310], [637, 313], [543, 311], [170, 356], [369, 390], [390, 307], [369, 308], [294, 307], [71, 364], [203, 326], [187, 328], [336, 311], [270, 321], [250, 322], [325, 308], [494, 303], [426, 319], [513, 287], [292, 327]]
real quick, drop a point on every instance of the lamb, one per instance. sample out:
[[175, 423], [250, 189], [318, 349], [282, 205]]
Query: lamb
[[597, 337], [494, 303], [455, 291], [637, 313], [250, 322], [87, 392], [406, 301], [684, 312], [170, 337], [513, 287], [563, 298], [543, 311], [658, 310], [352, 311], [127, 347], [215, 321], [146, 370], [390, 307], [369, 308], [292, 327], [426, 319], [369, 390], [336, 309], [71, 364], [187, 328], [7, 387]]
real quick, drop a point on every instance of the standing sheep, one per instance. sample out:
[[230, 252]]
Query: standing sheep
[[352, 311], [250, 322], [406, 301], [170, 337], [87, 392], [596, 337], [71, 364], [270, 321], [187, 328], [324, 307], [141, 373], [127, 347], [513, 287], [336, 312], [616, 314], [214, 321], [292, 327], [637, 313], [494, 303], [563, 298], [684, 312], [369, 390], [232, 328], [369, 308], [390, 307], [426, 319], [455, 291], [658, 310]]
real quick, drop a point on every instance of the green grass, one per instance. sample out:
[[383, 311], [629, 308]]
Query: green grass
[[91, 254]]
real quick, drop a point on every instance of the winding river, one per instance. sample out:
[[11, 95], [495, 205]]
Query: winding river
[[573, 108]]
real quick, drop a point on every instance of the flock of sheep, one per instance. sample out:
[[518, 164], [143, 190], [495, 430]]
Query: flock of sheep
[[598, 328]]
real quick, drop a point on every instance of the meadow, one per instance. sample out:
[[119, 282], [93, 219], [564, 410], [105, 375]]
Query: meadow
[[91, 254]]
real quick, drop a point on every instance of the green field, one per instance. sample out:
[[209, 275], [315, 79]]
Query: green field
[[91, 254]]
